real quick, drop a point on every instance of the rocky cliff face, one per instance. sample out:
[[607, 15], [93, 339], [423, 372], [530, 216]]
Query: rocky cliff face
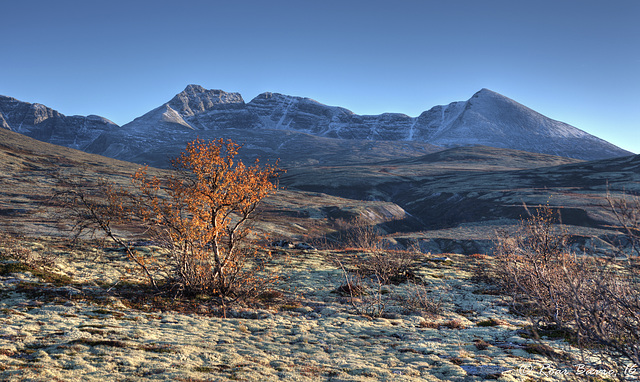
[[195, 108], [195, 100], [44, 124], [277, 111]]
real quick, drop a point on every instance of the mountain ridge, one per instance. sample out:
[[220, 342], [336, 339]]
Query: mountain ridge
[[487, 118], [45, 124]]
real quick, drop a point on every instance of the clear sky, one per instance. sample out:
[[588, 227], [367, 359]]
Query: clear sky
[[577, 61]]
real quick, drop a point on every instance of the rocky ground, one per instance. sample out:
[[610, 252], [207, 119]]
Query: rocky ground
[[71, 317]]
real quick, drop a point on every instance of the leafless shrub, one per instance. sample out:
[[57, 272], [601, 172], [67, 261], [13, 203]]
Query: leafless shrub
[[418, 299], [378, 260], [365, 294], [595, 298], [452, 324], [375, 266], [429, 325], [359, 234], [626, 210], [94, 210], [481, 344], [491, 322], [391, 266], [532, 265]]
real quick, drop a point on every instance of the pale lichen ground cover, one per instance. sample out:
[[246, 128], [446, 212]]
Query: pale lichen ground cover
[[320, 337]]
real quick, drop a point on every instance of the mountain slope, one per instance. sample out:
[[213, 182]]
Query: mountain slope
[[488, 118], [45, 124], [156, 146], [28, 170], [491, 119], [195, 108]]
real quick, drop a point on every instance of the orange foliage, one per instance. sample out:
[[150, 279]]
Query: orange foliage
[[202, 215]]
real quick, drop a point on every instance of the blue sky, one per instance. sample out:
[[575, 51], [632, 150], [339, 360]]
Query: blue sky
[[574, 61]]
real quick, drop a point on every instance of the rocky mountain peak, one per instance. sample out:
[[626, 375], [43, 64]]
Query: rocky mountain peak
[[265, 95], [487, 92], [271, 97], [193, 88], [195, 99], [489, 97]]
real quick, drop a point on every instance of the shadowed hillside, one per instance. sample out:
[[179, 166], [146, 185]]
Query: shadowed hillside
[[28, 169]]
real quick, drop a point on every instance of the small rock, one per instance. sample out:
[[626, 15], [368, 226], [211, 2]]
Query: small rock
[[278, 365], [68, 290], [305, 246], [327, 312], [290, 245], [283, 244]]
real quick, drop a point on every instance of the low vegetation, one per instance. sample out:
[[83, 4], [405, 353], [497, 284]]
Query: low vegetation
[[373, 267], [594, 300], [188, 238]]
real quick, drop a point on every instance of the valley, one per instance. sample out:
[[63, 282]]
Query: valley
[[475, 162]]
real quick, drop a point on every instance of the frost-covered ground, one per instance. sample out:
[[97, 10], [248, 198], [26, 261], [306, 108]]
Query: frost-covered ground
[[86, 330]]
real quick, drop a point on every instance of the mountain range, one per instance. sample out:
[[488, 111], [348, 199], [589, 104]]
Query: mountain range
[[443, 180], [275, 126]]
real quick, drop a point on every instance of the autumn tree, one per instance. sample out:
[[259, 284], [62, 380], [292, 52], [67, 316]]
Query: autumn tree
[[200, 213]]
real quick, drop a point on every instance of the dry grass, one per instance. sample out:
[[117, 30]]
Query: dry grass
[[450, 324], [418, 299]]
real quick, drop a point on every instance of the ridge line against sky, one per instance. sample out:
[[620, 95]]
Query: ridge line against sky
[[576, 62]]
